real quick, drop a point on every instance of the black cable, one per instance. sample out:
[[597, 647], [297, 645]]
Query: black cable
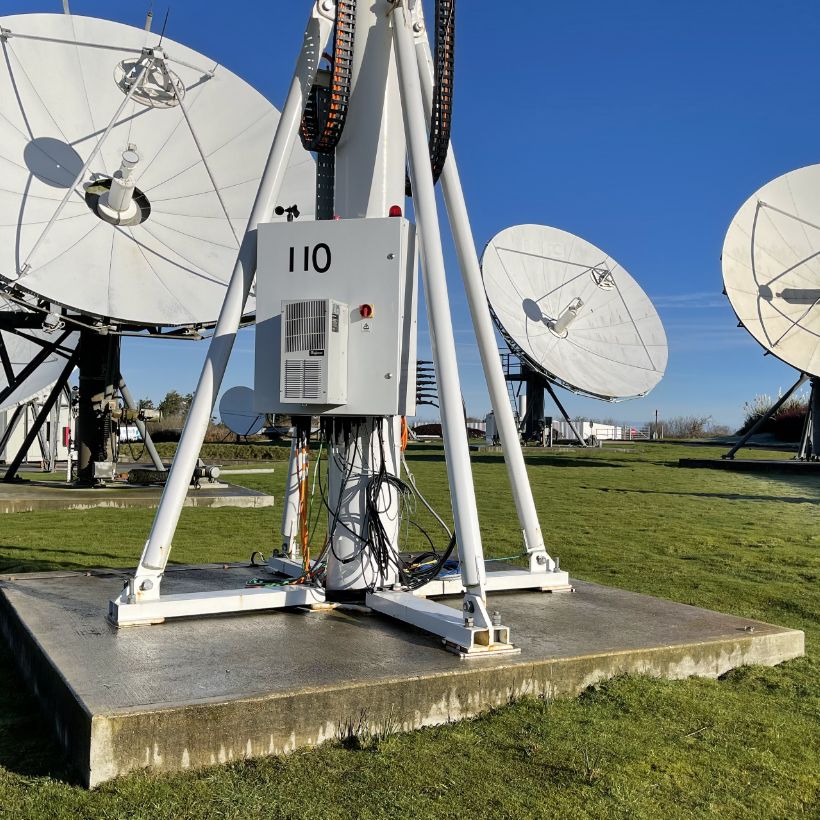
[[441, 115], [420, 579], [323, 119], [374, 542]]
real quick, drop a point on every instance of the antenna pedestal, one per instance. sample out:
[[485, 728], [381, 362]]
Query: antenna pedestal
[[99, 365], [533, 419], [766, 416], [386, 127]]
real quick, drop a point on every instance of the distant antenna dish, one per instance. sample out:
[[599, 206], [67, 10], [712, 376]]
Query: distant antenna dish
[[150, 233], [573, 313], [771, 267], [22, 349], [237, 413]]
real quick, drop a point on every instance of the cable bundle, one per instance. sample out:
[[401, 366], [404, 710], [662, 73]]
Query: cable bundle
[[375, 544]]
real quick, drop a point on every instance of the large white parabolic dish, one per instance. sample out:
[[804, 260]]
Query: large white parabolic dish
[[237, 414], [21, 350], [59, 91], [771, 267], [573, 312]]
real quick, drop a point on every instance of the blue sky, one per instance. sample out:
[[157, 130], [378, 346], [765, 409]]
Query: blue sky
[[641, 126]]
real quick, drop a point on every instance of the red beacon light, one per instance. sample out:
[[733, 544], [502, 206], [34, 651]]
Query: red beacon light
[[366, 311], [395, 210]]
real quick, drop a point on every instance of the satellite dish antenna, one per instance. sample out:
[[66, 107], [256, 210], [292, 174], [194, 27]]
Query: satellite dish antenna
[[129, 170], [771, 267], [771, 275], [237, 413], [32, 359], [573, 313]]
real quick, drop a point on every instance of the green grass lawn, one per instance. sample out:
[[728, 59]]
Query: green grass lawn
[[747, 745]]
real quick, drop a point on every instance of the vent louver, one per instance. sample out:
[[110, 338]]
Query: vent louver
[[303, 379], [305, 326]]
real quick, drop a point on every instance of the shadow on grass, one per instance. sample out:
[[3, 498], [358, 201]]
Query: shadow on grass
[[788, 499], [9, 561], [27, 743], [532, 461]]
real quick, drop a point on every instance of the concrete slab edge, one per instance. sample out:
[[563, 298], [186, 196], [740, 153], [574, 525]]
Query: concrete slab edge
[[178, 737], [70, 721], [205, 734], [23, 505]]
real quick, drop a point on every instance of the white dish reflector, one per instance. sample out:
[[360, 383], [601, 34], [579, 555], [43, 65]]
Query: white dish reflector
[[237, 413], [573, 312], [150, 234], [771, 267]]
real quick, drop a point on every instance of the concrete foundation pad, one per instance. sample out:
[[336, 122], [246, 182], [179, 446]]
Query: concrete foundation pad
[[754, 465], [32, 496], [199, 692]]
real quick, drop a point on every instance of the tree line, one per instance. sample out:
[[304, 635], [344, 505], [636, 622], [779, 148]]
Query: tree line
[[175, 404]]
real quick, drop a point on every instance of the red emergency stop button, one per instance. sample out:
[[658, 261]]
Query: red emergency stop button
[[366, 311]]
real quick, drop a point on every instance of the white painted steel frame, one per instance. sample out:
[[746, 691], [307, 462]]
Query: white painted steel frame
[[145, 586], [471, 631], [222, 602], [449, 624], [482, 323], [505, 580]]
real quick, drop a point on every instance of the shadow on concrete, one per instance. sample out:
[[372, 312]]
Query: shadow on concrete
[[27, 743]]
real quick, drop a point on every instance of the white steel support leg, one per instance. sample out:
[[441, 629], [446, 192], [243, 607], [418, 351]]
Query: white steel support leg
[[145, 585], [456, 448], [483, 325], [143, 430], [53, 437], [290, 504]]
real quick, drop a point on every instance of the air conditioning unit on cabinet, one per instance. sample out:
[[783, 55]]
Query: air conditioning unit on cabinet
[[314, 352]]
